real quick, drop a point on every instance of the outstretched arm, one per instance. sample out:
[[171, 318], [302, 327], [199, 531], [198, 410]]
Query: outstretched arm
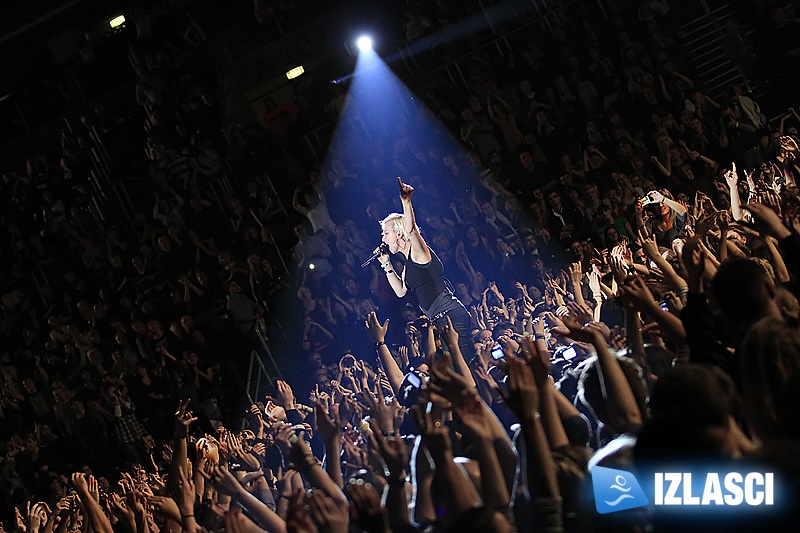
[[420, 253], [377, 333]]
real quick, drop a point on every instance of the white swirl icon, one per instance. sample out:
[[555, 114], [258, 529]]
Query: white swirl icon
[[619, 486]]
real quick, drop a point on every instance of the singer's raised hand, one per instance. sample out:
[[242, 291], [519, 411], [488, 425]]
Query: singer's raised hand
[[405, 189]]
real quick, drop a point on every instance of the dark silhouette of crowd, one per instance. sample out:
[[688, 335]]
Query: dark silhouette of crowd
[[627, 246]]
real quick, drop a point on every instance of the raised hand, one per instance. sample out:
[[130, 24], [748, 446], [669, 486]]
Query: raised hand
[[37, 516], [580, 312], [767, 221], [523, 395], [301, 455], [655, 197], [285, 395], [402, 355], [183, 419], [94, 489], [328, 426], [224, 481], [366, 509], [618, 339], [473, 417], [510, 346], [393, 451], [123, 513], [731, 178], [405, 189], [80, 483], [377, 332], [445, 382], [575, 331], [330, 517], [63, 505], [435, 434], [637, 292], [703, 225], [695, 263], [650, 247], [283, 433], [449, 334], [788, 143], [575, 273], [298, 519], [382, 413], [162, 506]]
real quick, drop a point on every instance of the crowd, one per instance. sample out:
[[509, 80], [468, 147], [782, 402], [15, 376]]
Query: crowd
[[627, 247]]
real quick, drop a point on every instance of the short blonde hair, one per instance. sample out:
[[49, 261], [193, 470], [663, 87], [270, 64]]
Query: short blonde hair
[[395, 221]]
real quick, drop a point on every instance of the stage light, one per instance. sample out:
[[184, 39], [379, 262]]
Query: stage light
[[295, 72], [364, 43], [117, 21]]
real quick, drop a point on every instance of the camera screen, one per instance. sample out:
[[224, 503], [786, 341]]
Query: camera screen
[[497, 352]]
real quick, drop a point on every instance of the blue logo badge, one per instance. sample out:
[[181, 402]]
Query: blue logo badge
[[616, 490]]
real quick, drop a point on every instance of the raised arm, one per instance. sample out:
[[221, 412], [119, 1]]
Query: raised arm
[[736, 204], [97, 519], [650, 248], [539, 468], [377, 333], [227, 484], [622, 402], [420, 253]]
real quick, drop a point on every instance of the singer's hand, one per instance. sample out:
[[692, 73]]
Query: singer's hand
[[405, 189], [383, 259]]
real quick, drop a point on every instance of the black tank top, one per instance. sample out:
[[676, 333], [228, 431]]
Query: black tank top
[[427, 282]]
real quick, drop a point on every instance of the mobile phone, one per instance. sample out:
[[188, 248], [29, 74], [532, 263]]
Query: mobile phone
[[414, 380], [569, 353], [663, 305], [497, 352]]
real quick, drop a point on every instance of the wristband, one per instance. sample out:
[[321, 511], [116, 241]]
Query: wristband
[[378, 344], [386, 264], [388, 271], [397, 482], [539, 337], [389, 433]]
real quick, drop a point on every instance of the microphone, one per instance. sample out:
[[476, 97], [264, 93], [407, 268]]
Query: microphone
[[380, 250]]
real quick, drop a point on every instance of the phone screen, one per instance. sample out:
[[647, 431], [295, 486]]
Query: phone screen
[[414, 380], [664, 306], [569, 353], [497, 352]]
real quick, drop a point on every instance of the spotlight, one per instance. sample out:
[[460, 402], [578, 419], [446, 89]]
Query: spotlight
[[364, 43]]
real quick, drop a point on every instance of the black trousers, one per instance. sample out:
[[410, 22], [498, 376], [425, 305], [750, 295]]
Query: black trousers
[[462, 323]]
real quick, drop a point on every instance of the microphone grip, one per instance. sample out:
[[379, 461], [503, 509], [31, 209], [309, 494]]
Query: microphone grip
[[380, 250]]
